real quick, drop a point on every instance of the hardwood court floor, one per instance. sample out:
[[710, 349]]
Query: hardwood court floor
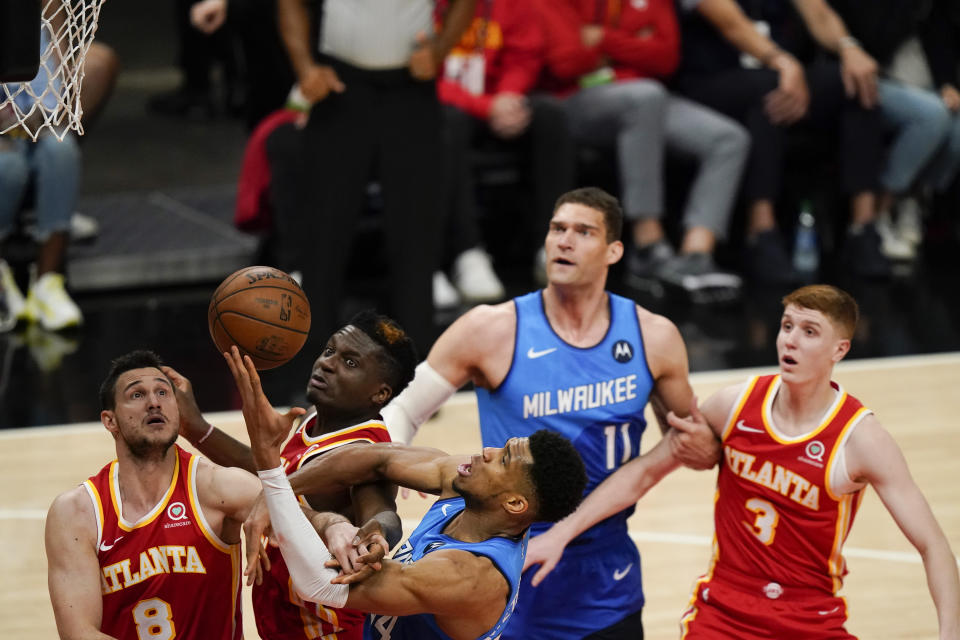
[[886, 590]]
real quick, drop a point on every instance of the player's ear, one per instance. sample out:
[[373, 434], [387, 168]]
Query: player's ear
[[516, 504], [614, 252], [382, 395], [841, 349], [109, 420]]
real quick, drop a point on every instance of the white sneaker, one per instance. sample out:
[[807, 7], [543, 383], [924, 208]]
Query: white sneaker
[[49, 303], [910, 221], [892, 244], [12, 304], [444, 294], [474, 277]]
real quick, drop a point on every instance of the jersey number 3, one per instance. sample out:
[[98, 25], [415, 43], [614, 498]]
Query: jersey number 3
[[764, 526], [154, 620]]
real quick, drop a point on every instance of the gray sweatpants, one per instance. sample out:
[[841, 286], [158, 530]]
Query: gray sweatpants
[[641, 119]]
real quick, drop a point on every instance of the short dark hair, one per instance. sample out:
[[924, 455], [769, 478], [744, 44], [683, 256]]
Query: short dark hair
[[139, 359], [557, 473], [598, 199], [398, 354]]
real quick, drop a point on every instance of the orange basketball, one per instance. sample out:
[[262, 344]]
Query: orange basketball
[[263, 311]]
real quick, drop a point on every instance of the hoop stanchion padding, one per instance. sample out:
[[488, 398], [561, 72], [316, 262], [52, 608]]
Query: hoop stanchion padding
[[51, 100]]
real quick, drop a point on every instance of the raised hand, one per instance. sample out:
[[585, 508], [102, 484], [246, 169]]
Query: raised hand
[[192, 424], [267, 428]]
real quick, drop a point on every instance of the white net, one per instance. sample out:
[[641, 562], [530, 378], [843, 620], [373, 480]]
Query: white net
[[51, 101]]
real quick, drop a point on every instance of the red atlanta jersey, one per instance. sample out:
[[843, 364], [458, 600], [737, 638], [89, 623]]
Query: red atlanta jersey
[[776, 516], [168, 574], [281, 614]]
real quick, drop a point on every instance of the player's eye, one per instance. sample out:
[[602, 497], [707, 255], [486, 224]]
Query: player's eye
[[351, 362]]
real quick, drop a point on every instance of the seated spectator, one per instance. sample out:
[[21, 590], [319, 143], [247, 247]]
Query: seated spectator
[[917, 118], [484, 94], [54, 167], [608, 60], [768, 93]]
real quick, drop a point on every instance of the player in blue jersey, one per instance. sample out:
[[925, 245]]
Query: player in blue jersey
[[582, 362], [458, 575]]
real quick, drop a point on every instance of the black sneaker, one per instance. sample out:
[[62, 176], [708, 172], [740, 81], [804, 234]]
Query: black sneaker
[[767, 261], [644, 264], [700, 278], [863, 253]]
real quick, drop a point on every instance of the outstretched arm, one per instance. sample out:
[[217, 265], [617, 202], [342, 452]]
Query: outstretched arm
[[625, 486], [874, 457], [213, 443], [73, 571]]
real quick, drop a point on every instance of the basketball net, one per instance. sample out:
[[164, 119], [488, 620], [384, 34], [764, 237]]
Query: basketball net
[[52, 99]]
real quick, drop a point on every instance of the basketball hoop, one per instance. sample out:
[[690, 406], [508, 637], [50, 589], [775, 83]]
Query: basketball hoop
[[51, 100]]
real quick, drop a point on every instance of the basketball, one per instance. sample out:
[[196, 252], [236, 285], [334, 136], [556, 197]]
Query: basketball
[[261, 310]]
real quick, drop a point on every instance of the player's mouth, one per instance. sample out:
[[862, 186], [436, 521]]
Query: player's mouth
[[156, 419], [318, 382], [788, 360], [464, 469], [563, 261]]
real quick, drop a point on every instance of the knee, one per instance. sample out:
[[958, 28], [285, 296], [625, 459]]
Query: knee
[[733, 140], [14, 173], [59, 155], [644, 98]]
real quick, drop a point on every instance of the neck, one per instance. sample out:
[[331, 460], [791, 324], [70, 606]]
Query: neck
[[577, 314], [144, 481], [329, 420], [799, 406], [471, 525]]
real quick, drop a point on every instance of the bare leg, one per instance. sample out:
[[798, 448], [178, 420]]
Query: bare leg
[[100, 75], [51, 253]]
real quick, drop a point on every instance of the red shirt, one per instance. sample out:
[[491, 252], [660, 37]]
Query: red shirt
[[508, 36], [776, 516], [641, 39], [167, 574], [279, 611]]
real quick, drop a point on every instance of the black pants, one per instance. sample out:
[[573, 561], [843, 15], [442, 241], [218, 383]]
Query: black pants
[[630, 628], [547, 155], [386, 125], [739, 94]]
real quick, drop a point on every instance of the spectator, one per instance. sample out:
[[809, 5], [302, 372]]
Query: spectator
[[375, 108], [769, 101], [918, 119], [607, 59], [54, 167], [484, 93], [197, 54]]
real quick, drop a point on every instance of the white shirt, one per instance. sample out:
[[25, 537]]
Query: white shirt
[[374, 34]]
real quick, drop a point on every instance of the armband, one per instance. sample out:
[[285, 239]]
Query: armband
[[302, 549], [423, 396]]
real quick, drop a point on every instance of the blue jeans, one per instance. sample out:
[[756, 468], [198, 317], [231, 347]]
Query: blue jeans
[[55, 167], [921, 122]]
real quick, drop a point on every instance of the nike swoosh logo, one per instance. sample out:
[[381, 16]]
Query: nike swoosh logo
[[533, 355], [620, 575], [444, 509], [743, 427], [106, 547]]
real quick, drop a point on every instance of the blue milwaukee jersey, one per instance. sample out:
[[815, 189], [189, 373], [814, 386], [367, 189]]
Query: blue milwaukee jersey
[[505, 553], [594, 396]]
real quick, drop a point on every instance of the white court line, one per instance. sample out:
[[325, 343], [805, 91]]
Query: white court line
[[409, 524], [467, 397]]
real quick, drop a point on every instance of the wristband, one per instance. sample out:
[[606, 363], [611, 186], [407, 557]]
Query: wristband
[[847, 41], [205, 436]]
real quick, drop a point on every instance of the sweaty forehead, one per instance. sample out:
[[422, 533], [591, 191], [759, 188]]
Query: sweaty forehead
[[355, 339]]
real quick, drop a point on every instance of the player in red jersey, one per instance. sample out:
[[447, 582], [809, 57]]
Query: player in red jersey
[[798, 453], [362, 367], [150, 546]]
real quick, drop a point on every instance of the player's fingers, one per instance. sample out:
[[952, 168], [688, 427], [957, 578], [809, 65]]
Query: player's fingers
[[544, 571]]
